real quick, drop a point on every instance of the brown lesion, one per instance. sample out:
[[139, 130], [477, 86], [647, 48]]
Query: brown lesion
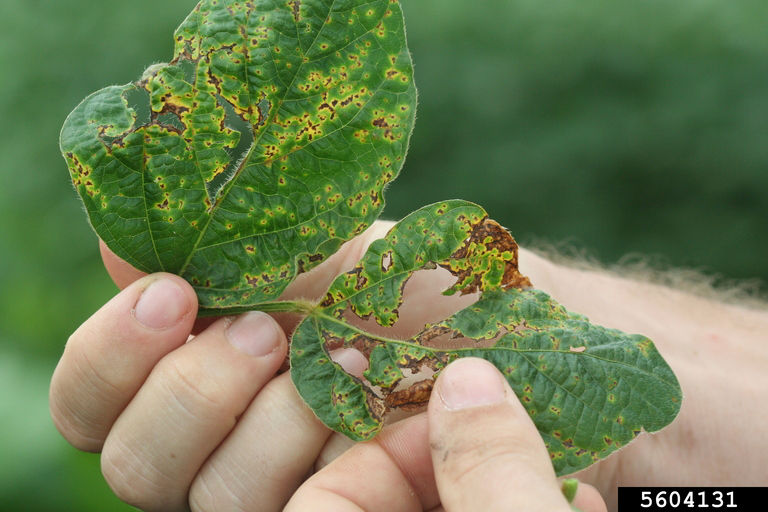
[[330, 106], [360, 280], [381, 122], [492, 237], [376, 406], [415, 396], [431, 333], [295, 5]]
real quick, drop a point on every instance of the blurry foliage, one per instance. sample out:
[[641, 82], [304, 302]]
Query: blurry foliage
[[624, 126]]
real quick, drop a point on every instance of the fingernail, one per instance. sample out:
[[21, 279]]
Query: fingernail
[[161, 305], [254, 333], [469, 383]]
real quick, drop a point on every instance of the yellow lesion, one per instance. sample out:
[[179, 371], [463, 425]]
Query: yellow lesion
[[260, 34], [645, 346], [165, 204], [391, 73], [356, 61], [90, 188]]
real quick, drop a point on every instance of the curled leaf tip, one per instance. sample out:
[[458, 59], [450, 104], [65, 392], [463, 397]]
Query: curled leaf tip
[[487, 260]]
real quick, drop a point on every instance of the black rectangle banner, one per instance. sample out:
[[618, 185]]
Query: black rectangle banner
[[657, 499]]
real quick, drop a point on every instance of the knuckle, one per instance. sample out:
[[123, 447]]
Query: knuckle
[[474, 460], [77, 434], [286, 408], [212, 491], [75, 387], [192, 388], [132, 480], [90, 375]]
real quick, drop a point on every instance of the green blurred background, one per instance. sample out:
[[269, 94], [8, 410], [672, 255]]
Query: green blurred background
[[618, 125]]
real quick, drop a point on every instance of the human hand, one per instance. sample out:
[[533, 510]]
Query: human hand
[[476, 448], [111, 360], [201, 424], [176, 421]]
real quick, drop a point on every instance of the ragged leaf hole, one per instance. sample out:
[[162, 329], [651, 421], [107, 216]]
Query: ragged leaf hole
[[351, 360], [422, 303], [138, 99], [236, 154], [450, 341], [412, 376], [171, 119]]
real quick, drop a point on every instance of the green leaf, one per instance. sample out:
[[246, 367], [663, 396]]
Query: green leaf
[[257, 151], [589, 390], [265, 144]]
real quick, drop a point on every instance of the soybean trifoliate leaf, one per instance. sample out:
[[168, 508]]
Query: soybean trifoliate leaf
[[589, 389], [263, 145]]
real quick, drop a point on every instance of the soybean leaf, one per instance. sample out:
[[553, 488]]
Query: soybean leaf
[[257, 151], [265, 144], [589, 389]]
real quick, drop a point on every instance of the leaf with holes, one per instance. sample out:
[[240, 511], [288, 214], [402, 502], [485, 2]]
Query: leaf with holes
[[265, 144], [257, 151], [589, 390]]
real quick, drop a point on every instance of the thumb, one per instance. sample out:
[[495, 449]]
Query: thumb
[[486, 451]]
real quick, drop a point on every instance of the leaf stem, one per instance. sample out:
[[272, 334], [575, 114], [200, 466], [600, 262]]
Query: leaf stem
[[303, 307]]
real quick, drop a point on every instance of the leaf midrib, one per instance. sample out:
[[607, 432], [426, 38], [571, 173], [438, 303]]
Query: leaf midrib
[[256, 139], [386, 340]]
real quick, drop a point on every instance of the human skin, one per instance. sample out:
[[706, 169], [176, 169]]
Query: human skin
[[205, 425], [476, 448], [718, 353]]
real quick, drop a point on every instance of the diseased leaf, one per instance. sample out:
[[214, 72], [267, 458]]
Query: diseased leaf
[[268, 141], [265, 144], [589, 389]]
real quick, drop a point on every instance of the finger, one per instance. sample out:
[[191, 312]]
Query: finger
[[108, 358], [366, 477], [334, 447], [310, 285], [588, 499], [486, 452], [392, 473], [265, 458], [270, 452], [121, 272], [187, 406]]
